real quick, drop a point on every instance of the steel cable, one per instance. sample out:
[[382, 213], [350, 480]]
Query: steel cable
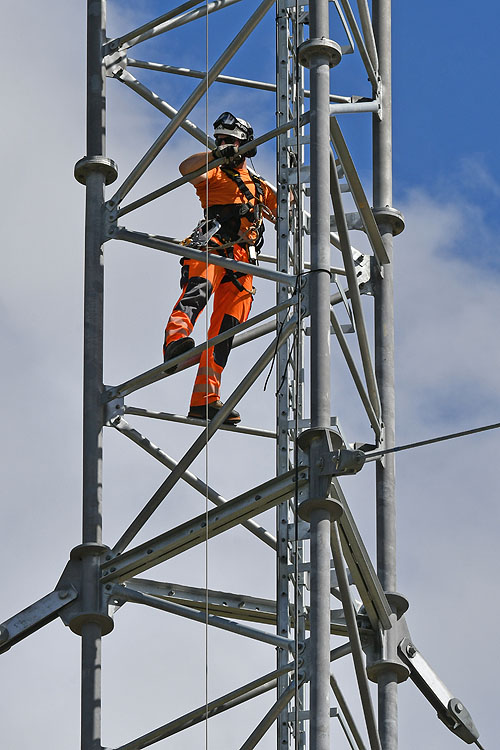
[[372, 455]]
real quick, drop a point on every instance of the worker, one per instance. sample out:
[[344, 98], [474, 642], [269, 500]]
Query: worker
[[235, 202]]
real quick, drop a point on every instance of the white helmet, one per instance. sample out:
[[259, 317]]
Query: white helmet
[[228, 124]]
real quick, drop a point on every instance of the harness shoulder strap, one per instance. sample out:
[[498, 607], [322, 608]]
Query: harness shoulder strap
[[259, 187], [234, 175], [254, 204]]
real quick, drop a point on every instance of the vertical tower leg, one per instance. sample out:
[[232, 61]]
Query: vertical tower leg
[[384, 361], [320, 377], [93, 373]]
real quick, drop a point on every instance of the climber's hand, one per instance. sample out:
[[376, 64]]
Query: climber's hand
[[226, 151]]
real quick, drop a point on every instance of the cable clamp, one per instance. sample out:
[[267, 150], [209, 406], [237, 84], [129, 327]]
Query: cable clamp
[[341, 462]]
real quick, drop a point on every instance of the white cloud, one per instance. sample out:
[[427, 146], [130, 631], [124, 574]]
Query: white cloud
[[447, 365]]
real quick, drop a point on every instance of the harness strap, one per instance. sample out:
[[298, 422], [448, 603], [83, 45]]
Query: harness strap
[[234, 175], [254, 202]]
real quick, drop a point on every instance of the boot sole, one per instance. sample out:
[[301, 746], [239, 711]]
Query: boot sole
[[202, 418]]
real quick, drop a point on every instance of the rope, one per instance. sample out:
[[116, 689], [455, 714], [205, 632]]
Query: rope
[[206, 398], [370, 456], [296, 345]]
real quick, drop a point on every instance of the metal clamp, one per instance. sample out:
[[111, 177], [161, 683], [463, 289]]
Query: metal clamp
[[342, 462], [115, 63], [114, 407], [382, 650], [85, 560]]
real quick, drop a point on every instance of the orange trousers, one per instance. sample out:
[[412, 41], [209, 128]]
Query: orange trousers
[[231, 306]]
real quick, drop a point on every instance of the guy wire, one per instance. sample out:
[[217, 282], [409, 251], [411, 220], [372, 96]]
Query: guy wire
[[370, 455]]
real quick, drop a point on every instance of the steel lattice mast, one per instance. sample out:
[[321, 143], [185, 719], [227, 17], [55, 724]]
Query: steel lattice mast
[[319, 551]]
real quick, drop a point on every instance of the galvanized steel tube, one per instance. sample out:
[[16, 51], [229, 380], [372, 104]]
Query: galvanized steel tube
[[384, 361], [320, 374], [139, 34], [232, 626], [355, 640], [93, 369], [91, 687], [214, 708]]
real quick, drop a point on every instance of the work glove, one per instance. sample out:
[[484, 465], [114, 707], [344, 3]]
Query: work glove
[[226, 151]]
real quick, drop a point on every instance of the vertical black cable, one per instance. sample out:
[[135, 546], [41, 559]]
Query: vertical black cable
[[298, 355]]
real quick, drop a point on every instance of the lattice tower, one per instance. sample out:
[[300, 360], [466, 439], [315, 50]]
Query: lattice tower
[[326, 290]]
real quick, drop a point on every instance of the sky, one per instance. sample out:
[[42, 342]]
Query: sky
[[447, 298]]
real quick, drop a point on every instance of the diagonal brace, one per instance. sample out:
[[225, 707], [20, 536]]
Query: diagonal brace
[[197, 530], [122, 426], [234, 698], [124, 593], [191, 102], [203, 439], [34, 617]]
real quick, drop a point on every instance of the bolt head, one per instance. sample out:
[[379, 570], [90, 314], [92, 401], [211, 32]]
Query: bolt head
[[411, 650]]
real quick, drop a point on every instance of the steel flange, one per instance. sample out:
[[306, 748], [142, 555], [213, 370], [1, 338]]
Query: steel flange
[[321, 46], [391, 216], [89, 164]]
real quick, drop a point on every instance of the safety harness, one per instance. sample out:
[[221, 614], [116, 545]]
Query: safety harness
[[221, 228], [230, 215]]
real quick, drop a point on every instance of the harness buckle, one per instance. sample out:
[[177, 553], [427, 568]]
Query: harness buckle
[[204, 231]]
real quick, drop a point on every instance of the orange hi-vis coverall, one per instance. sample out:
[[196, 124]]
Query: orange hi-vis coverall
[[199, 280]]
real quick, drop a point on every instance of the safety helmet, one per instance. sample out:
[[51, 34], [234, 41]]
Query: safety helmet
[[228, 124]]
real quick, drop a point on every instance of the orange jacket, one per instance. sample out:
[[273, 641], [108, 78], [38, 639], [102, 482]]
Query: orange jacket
[[222, 190]]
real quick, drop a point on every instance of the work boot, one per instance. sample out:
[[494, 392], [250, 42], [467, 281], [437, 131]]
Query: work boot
[[200, 412], [179, 346]]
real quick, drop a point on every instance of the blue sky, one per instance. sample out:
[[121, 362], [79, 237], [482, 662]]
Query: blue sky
[[446, 110], [445, 88], [445, 103], [448, 359]]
